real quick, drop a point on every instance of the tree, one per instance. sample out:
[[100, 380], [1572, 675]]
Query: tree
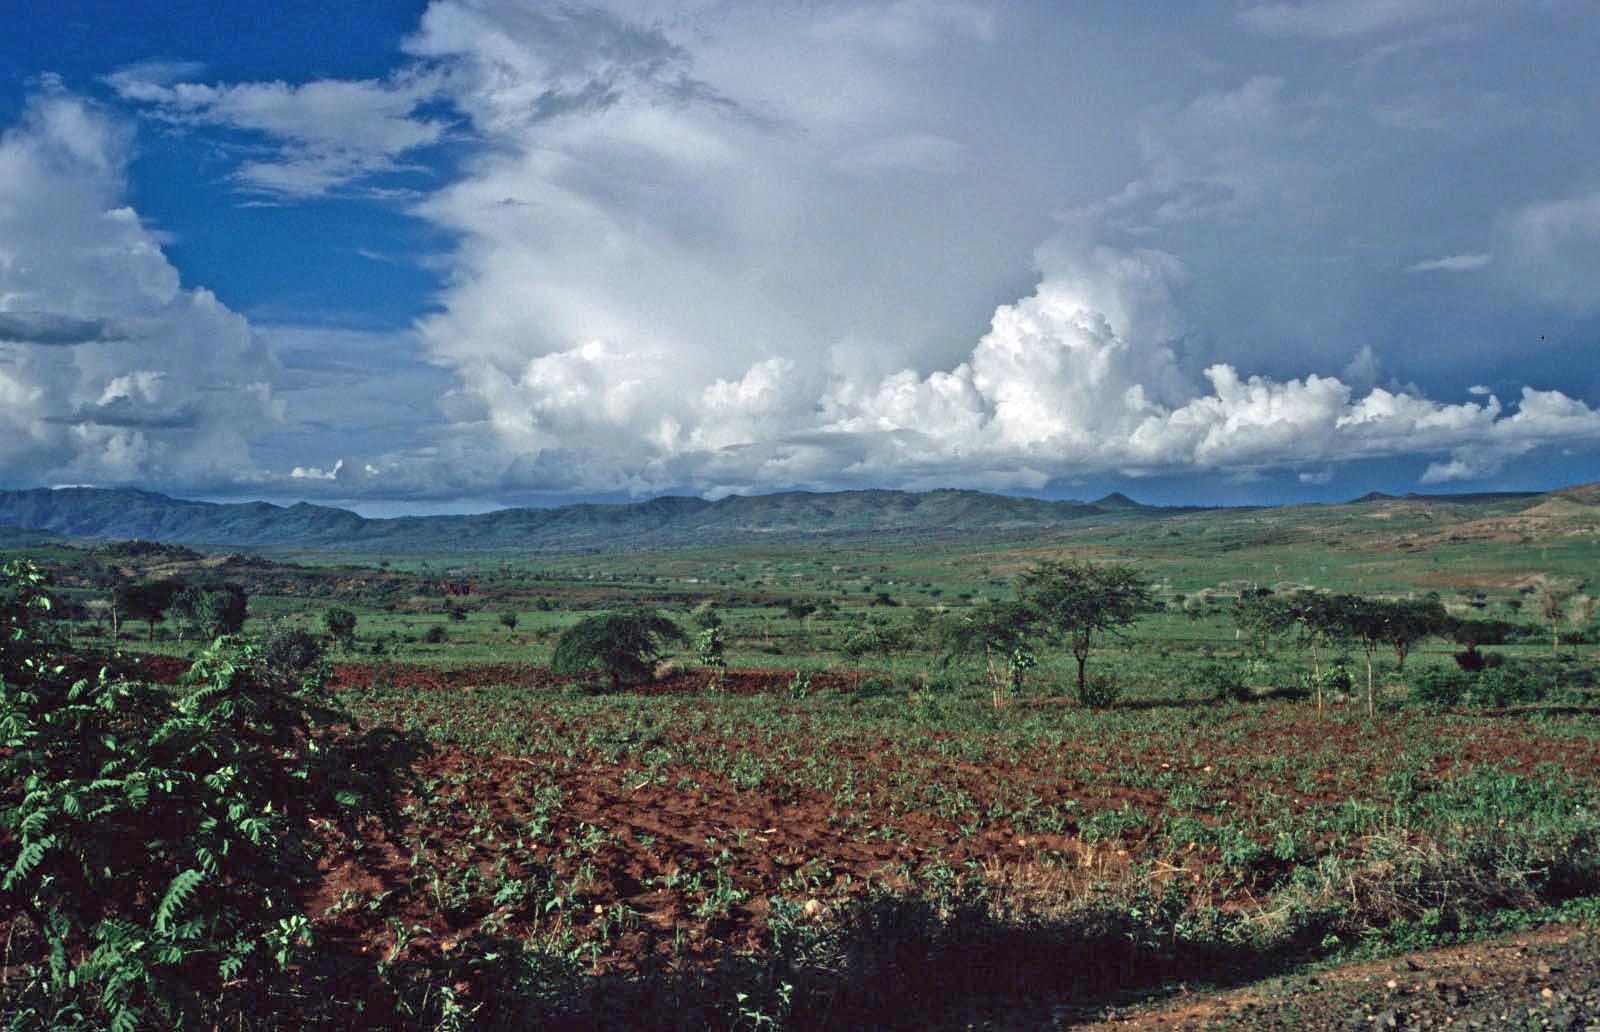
[[1408, 621], [1367, 621], [1320, 618], [710, 650], [874, 637], [1001, 633], [1262, 618], [508, 620], [213, 612], [1076, 600], [340, 623], [1551, 595], [147, 602], [1471, 634], [625, 646]]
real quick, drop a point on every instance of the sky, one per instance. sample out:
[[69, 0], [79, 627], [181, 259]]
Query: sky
[[451, 255]]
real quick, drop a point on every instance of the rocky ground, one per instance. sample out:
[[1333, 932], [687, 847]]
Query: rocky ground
[[1543, 980]]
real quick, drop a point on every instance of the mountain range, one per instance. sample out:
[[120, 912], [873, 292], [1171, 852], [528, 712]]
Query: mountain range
[[122, 514]]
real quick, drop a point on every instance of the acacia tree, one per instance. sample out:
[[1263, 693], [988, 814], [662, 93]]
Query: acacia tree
[[1320, 618], [1000, 632], [1408, 621], [874, 637], [624, 646], [1076, 600], [1366, 620], [1551, 595], [147, 602]]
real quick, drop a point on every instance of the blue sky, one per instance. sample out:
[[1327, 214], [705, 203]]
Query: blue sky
[[463, 253]]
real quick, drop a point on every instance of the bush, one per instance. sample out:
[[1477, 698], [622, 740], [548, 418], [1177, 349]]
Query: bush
[[154, 849], [289, 654], [1222, 682], [1497, 685], [624, 646], [435, 635], [1099, 692], [1440, 688]]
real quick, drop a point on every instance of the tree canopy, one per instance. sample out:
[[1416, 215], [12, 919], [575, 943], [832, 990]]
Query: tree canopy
[[1075, 600], [624, 646]]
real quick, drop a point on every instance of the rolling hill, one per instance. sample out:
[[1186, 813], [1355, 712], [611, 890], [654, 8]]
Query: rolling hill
[[667, 521]]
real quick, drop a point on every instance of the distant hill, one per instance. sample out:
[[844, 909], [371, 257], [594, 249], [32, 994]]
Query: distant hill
[[669, 521]]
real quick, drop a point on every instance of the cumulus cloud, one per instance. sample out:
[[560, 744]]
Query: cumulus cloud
[[721, 248], [110, 370]]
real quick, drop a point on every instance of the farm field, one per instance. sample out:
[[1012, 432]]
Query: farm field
[[816, 833]]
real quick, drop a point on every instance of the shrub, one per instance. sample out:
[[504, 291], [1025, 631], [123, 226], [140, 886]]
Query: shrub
[[1099, 692], [1498, 685], [340, 624], [624, 646], [148, 836], [1440, 688], [1222, 681], [435, 635]]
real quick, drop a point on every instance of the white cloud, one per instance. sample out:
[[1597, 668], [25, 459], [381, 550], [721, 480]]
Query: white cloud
[[1453, 263], [329, 133], [110, 370]]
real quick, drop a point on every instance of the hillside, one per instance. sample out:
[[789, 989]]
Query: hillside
[[1386, 522], [668, 521]]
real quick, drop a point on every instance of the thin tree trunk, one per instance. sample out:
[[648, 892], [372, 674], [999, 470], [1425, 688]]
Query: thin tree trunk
[[1316, 673], [1083, 659], [1371, 710]]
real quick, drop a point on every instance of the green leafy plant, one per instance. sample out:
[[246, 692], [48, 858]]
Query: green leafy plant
[[158, 841], [624, 646]]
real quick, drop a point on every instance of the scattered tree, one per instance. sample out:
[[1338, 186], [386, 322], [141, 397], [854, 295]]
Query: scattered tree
[[624, 646], [340, 623], [1551, 596], [508, 620], [147, 602], [1077, 600], [212, 612], [1409, 621], [1001, 633]]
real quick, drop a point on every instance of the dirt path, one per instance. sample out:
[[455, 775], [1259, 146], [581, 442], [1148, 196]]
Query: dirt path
[[1546, 979]]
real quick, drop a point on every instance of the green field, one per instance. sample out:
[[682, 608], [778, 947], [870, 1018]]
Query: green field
[[816, 839]]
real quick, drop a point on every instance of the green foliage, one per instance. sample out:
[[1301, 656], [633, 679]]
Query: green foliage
[[1510, 684], [213, 612], [1221, 681], [1076, 601], [1099, 692], [25, 635], [340, 623], [624, 646], [147, 602], [1001, 634], [710, 650], [1263, 619], [147, 834]]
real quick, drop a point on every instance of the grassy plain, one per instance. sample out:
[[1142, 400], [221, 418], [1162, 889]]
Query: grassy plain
[[819, 843]]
